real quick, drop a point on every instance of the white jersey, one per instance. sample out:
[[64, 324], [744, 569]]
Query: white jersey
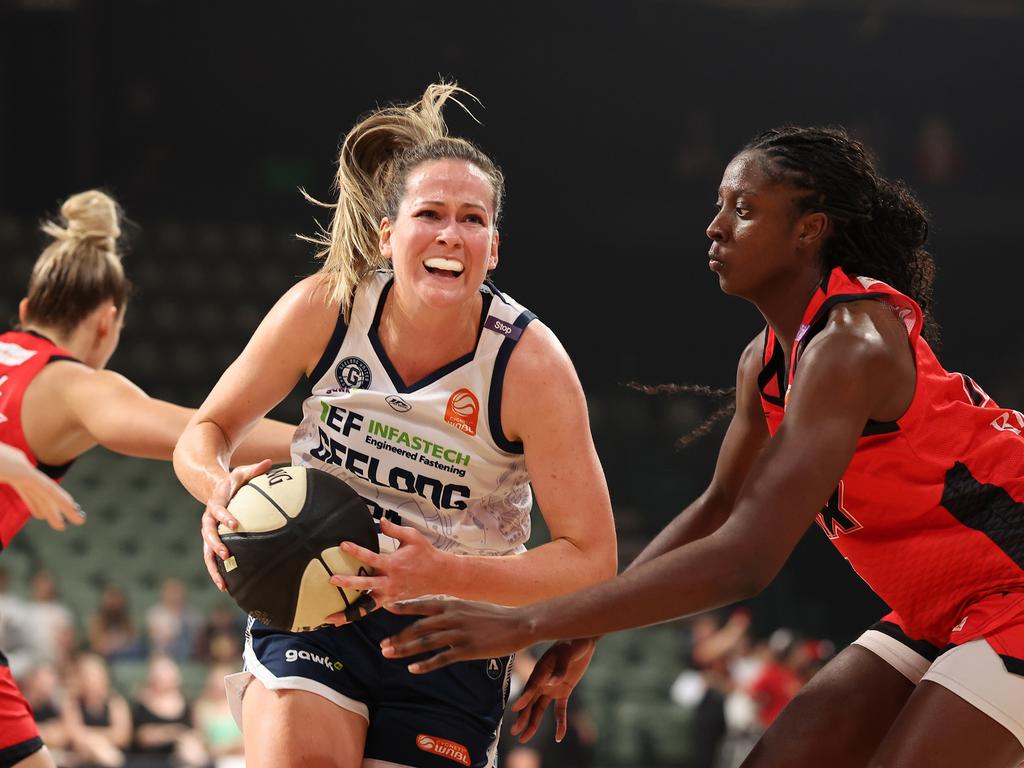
[[430, 454]]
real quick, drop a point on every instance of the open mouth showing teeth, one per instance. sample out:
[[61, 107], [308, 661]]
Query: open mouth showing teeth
[[443, 267]]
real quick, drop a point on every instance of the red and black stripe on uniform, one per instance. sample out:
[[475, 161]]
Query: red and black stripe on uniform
[[22, 356], [930, 510]]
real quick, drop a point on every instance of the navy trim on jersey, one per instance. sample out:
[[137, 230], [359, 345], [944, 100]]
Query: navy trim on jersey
[[879, 428], [11, 756], [1013, 666], [920, 647], [396, 380], [974, 392], [52, 472], [331, 350], [986, 508], [498, 383]]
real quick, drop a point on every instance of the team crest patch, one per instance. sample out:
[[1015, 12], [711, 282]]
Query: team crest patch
[[443, 748], [353, 373], [463, 411]]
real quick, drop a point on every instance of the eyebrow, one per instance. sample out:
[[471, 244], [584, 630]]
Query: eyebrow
[[442, 202], [740, 192]]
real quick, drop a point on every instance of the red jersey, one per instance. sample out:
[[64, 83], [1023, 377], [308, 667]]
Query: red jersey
[[930, 510], [22, 357]]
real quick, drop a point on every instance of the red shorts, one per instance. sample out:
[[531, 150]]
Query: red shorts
[[19, 736]]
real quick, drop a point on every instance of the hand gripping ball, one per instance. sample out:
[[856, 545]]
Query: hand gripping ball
[[286, 547]]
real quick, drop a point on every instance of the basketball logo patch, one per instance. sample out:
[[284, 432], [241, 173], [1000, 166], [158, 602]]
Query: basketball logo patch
[[463, 411], [353, 373], [443, 748]]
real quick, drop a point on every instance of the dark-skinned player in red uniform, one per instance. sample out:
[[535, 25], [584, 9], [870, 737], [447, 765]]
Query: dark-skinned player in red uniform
[[843, 416], [57, 401]]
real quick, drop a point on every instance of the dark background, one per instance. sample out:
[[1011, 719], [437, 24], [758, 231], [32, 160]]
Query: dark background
[[612, 121]]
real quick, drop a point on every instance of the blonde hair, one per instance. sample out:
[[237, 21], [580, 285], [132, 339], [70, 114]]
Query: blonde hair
[[374, 162], [81, 268]]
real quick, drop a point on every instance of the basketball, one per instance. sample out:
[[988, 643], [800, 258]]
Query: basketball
[[285, 549]]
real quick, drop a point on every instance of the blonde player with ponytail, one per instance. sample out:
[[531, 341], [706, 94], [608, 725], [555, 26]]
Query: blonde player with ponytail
[[57, 401], [441, 400]]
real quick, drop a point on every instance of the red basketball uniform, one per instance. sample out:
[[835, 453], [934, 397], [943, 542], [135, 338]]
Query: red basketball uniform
[[930, 510], [22, 356]]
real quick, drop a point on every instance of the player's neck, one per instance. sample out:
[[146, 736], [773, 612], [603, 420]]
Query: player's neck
[[426, 339], [78, 343]]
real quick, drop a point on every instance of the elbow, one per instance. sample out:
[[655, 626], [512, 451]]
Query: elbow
[[753, 578]]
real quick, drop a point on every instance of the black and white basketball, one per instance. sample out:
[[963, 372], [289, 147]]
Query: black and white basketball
[[291, 522]]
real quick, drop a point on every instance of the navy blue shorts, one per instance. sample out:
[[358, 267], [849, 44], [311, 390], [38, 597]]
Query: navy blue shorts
[[438, 720]]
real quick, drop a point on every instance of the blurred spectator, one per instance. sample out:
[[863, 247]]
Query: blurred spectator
[[171, 625], [791, 664], [706, 685], [42, 690], [220, 637], [98, 721], [163, 719], [51, 624], [215, 723], [15, 632], [112, 632]]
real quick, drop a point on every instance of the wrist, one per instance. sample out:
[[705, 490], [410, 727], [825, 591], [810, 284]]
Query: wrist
[[451, 574]]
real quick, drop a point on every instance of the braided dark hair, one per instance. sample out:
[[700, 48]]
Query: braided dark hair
[[878, 227]]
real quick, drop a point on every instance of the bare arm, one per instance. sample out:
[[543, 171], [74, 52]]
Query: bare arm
[[746, 436], [544, 407], [849, 374]]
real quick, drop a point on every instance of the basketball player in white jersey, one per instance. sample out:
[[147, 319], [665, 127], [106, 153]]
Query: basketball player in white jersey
[[441, 401]]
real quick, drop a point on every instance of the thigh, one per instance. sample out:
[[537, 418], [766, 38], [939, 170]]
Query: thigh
[[284, 728], [968, 709], [39, 759], [839, 718], [19, 736]]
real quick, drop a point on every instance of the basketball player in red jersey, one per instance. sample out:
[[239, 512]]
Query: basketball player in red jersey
[[843, 416], [57, 402]]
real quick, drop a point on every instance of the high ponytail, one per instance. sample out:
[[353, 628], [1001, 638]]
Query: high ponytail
[[81, 268], [374, 162]]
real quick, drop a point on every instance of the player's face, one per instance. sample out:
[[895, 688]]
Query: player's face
[[755, 231], [443, 241]]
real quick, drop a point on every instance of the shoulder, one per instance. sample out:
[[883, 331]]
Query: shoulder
[[308, 299], [752, 357], [538, 355], [858, 334]]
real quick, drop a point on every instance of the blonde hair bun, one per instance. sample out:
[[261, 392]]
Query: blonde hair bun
[[88, 216]]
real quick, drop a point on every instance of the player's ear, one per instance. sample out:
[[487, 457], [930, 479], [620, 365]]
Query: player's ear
[[814, 228], [492, 257], [23, 311], [384, 242]]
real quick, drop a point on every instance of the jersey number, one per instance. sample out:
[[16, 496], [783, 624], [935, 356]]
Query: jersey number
[[834, 519]]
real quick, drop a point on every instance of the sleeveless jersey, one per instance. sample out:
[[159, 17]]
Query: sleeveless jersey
[[930, 510], [22, 357], [431, 454]]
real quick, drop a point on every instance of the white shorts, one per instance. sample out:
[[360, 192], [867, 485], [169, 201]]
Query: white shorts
[[973, 671]]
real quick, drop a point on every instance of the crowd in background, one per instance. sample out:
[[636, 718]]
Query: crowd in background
[[65, 665], [732, 685]]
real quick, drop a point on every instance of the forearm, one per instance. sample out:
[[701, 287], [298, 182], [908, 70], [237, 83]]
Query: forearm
[[552, 569], [269, 439], [201, 458], [706, 574], [701, 518]]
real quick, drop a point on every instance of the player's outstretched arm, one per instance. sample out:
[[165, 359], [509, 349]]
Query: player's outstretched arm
[[45, 499], [844, 377]]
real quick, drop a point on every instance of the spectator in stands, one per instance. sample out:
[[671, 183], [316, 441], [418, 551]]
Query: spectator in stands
[[112, 632], [218, 641], [53, 637], [97, 718], [214, 722], [171, 626], [163, 719], [15, 632], [42, 690]]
